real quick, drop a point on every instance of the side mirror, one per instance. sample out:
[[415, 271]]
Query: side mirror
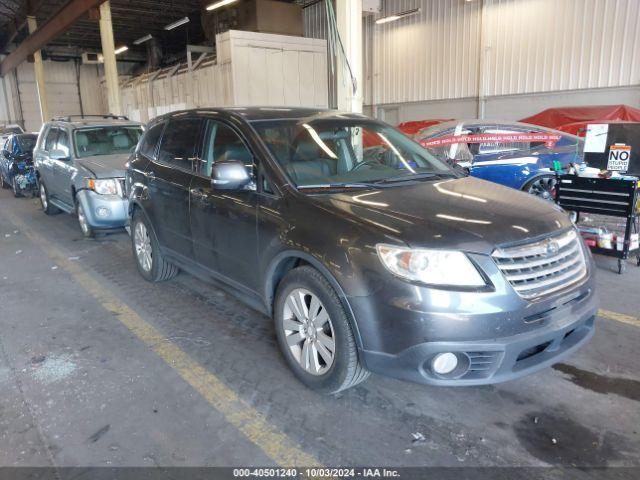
[[5, 153], [229, 175], [59, 155]]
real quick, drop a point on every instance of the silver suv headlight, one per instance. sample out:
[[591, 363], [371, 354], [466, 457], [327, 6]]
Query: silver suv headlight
[[105, 186], [432, 267]]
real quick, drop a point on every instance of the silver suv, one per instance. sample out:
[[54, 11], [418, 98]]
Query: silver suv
[[80, 165]]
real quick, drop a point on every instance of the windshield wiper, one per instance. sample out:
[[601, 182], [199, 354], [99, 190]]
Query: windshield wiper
[[335, 185], [411, 177]]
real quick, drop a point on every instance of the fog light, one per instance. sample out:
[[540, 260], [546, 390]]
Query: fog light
[[103, 212], [444, 363]]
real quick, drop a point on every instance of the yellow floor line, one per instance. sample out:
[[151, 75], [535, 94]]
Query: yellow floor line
[[619, 317], [236, 411]]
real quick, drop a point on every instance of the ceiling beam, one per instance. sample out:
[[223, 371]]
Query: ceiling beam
[[20, 20], [54, 26]]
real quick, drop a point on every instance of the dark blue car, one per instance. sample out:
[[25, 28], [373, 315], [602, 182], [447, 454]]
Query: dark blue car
[[16, 164], [516, 155]]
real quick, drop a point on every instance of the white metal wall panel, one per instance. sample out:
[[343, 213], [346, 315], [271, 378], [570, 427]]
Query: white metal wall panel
[[530, 46], [430, 55], [550, 45], [62, 91]]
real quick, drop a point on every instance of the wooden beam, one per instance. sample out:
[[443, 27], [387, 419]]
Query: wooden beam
[[57, 24]]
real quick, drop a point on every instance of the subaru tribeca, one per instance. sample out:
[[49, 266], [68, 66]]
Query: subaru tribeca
[[370, 254]]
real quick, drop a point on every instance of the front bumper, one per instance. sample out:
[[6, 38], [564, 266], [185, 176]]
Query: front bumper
[[104, 212], [497, 335]]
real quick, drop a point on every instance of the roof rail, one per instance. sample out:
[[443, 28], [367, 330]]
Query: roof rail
[[68, 118]]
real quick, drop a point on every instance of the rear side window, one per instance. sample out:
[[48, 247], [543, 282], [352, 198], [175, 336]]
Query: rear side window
[[179, 142], [50, 140], [150, 140]]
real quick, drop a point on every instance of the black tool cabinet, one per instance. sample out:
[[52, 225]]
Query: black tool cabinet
[[611, 197]]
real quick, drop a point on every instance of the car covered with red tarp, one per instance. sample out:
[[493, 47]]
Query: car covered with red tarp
[[574, 120]]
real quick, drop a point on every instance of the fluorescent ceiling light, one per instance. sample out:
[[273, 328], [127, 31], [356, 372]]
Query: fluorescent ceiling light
[[146, 38], [219, 4], [124, 48], [177, 23], [397, 16]]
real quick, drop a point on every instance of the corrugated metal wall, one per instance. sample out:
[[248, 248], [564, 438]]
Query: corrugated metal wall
[[530, 46], [547, 45], [62, 91], [431, 55]]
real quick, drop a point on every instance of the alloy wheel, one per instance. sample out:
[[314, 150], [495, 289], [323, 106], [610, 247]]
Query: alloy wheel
[[142, 243], [309, 332], [544, 187], [82, 219]]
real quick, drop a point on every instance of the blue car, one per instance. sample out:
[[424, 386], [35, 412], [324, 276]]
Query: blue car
[[517, 155], [16, 164]]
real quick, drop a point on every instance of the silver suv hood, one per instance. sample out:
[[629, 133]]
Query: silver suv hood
[[105, 166]]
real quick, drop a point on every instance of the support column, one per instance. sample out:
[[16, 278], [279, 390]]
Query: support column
[[349, 23], [108, 52], [39, 71]]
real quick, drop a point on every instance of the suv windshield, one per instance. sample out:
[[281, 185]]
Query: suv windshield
[[106, 140], [338, 152]]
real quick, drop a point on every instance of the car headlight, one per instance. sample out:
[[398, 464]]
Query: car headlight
[[433, 267], [107, 186]]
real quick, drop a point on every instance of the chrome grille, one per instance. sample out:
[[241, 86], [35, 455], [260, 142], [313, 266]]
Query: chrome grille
[[543, 267]]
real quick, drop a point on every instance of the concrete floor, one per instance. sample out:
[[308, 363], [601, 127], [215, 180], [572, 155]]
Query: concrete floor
[[99, 368]]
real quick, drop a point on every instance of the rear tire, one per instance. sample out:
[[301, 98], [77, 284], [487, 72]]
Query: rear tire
[[47, 208], [543, 186], [306, 342], [149, 260]]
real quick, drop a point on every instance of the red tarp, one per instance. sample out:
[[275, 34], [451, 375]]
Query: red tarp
[[411, 128], [408, 128], [575, 119], [580, 128]]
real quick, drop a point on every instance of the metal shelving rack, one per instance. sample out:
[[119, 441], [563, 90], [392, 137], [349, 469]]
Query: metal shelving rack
[[615, 198]]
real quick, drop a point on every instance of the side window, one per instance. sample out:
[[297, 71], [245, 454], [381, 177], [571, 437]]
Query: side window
[[9, 144], [149, 141], [50, 140], [179, 143], [63, 142], [222, 143]]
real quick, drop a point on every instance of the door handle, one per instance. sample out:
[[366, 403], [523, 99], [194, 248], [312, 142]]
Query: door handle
[[151, 175]]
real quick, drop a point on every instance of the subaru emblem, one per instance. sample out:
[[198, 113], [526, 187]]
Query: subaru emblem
[[552, 248]]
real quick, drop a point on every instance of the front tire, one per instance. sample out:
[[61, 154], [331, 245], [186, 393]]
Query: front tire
[[47, 208], [4, 182], [314, 333], [86, 229], [17, 191], [149, 260]]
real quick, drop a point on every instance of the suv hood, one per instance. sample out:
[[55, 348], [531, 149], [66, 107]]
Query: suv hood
[[105, 166], [463, 214]]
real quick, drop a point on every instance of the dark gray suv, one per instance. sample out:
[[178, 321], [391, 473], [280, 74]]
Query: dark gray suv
[[369, 253]]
